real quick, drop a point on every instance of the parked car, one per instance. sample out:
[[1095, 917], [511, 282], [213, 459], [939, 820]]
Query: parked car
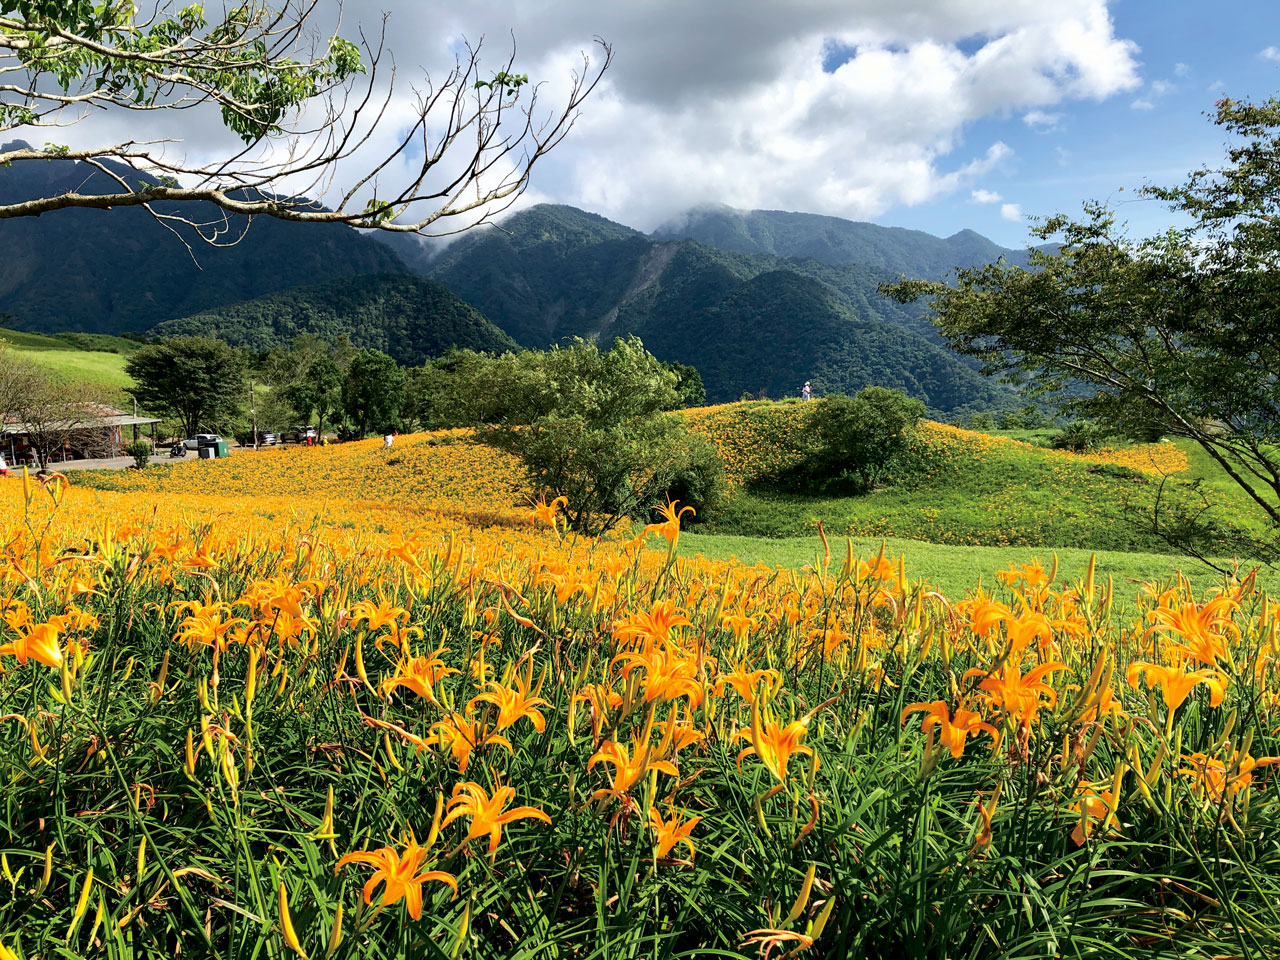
[[201, 440], [300, 434], [267, 439]]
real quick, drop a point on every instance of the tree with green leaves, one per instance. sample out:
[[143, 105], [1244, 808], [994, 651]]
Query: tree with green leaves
[[1172, 334], [594, 427], [196, 380], [857, 438], [300, 97], [308, 378], [372, 393]]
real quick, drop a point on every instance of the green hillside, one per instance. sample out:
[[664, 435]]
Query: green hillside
[[86, 358], [771, 333], [962, 488], [551, 272], [409, 318]]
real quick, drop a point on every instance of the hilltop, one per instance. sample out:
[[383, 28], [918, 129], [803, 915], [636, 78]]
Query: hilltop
[[409, 318], [834, 240]]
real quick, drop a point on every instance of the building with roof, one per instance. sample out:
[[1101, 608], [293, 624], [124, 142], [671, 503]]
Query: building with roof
[[75, 432]]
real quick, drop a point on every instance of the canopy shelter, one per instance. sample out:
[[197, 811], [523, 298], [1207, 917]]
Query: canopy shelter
[[83, 431]]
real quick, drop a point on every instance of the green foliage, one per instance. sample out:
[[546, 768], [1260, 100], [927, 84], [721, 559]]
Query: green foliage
[[410, 319], [689, 385], [200, 382], [140, 60], [591, 426], [372, 393], [140, 450], [860, 437], [1029, 417], [1079, 436], [1169, 334]]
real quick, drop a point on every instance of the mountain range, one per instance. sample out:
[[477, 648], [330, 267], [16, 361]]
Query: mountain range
[[751, 321], [759, 301]]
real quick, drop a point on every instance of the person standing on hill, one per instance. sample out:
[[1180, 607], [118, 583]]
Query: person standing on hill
[[806, 392]]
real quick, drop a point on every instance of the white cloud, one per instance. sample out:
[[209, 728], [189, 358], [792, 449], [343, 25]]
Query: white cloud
[[1160, 87], [1041, 120], [984, 196], [1142, 103], [1270, 53], [727, 100], [1181, 69], [1011, 211]]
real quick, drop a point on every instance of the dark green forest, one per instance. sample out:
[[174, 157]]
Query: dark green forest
[[409, 318]]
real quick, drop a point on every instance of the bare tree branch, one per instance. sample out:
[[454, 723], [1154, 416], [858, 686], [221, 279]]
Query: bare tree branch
[[266, 71]]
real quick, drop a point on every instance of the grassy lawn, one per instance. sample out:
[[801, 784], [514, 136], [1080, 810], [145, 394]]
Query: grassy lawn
[[954, 569], [962, 492]]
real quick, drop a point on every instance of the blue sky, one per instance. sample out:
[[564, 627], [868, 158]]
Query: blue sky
[[1190, 54]]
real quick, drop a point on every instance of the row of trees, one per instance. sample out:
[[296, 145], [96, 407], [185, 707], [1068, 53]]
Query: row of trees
[[204, 384]]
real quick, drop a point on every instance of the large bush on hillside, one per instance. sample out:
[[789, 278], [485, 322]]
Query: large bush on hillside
[[592, 426], [856, 439]]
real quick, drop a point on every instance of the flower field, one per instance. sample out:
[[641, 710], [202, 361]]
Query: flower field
[[757, 440], [439, 472], [270, 718]]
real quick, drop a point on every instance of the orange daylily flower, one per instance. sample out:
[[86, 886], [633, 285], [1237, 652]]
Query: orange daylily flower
[[1176, 683], [746, 681], [654, 626], [546, 512], [462, 735], [952, 731], [773, 743], [419, 674], [488, 814], [1204, 628], [1092, 808], [1018, 694], [668, 673], [669, 526], [39, 643], [376, 615], [628, 769], [672, 831], [1217, 777], [400, 874], [513, 703]]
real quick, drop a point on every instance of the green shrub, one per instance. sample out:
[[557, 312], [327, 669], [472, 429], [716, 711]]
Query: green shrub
[[698, 480], [1080, 436], [591, 426], [856, 439], [140, 450]]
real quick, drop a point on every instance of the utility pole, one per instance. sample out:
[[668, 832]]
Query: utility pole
[[253, 411]]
